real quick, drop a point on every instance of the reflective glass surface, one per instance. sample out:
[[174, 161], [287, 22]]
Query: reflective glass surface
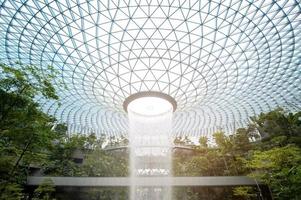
[[222, 61]]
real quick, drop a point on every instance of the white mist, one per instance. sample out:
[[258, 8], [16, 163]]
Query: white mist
[[150, 120]]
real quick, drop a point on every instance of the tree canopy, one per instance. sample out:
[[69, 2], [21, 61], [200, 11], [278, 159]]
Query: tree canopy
[[25, 131], [268, 149]]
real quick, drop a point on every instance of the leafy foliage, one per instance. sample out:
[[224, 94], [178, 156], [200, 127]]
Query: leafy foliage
[[277, 159], [45, 191], [274, 161], [29, 138], [245, 192], [280, 168], [25, 131], [102, 163], [11, 191]]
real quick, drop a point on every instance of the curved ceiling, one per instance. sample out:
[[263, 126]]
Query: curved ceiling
[[222, 61]]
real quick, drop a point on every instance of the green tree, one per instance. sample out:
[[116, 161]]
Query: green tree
[[276, 159], [245, 192], [203, 141], [11, 191], [241, 143], [45, 191], [279, 123], [102, 163], [25, 131], [59, 160], [223, 142], [280, 168], [198, 166]]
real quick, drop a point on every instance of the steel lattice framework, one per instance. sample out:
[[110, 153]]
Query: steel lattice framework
[[222, 61]]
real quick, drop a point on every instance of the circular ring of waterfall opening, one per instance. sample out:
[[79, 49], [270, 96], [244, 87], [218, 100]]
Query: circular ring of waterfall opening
[[149, 103]]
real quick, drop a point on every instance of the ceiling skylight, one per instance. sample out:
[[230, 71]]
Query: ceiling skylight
[[222, 61]]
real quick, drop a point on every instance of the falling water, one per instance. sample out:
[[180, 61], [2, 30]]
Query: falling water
[[150, 154]]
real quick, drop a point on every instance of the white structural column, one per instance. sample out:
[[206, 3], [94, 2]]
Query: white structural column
[[150, 147]]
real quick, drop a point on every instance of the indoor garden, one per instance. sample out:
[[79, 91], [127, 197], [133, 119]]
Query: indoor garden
[[33, 143], [150, 100]]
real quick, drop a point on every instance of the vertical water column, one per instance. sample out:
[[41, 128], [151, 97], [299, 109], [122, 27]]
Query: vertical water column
[[150, 120]]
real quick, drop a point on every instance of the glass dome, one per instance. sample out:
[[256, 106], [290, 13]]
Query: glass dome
[[222, 61]]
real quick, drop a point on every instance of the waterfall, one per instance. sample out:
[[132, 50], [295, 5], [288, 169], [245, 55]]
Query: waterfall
[[150, 120]]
